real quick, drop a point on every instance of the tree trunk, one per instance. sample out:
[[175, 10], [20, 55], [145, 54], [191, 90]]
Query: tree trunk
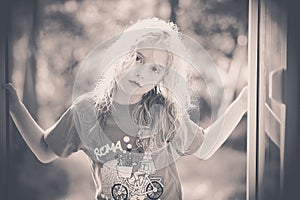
[[174, 7]]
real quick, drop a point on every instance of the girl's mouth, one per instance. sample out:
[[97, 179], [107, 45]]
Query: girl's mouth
[[135, 83]]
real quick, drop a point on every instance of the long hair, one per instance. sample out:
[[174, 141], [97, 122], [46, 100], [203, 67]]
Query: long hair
[[161, 109]]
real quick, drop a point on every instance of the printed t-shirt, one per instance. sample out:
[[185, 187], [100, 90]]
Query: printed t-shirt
[[120, 172]]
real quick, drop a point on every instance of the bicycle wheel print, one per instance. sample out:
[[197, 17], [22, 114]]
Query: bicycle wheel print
[[119, 192], [154, 190]]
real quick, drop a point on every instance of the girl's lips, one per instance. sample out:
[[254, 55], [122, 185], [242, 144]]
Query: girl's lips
[[135, 83]]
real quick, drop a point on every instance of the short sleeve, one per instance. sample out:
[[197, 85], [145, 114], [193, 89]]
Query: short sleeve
[[62, 137], [188, 138]]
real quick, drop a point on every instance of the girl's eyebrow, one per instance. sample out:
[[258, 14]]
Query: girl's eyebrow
[[139, 53]]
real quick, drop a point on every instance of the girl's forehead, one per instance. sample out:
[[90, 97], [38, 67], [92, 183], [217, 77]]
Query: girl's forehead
[[154, 55]]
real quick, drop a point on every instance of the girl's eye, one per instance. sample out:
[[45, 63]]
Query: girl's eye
[[155, 69], [139, 58]]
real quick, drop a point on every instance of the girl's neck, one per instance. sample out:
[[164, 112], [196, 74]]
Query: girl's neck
[[121, 97]]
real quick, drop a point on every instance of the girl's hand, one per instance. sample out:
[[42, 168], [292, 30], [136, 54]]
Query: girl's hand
[[14, 99]]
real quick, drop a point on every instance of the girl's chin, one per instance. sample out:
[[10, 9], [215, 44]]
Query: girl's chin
[[135, 91]]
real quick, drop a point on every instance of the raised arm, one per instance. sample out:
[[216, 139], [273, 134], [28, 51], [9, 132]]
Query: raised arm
[[218, 132], [31, 132]]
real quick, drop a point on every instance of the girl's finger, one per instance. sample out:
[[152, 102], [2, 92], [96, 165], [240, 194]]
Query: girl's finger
[[9, 87], [5, 86]]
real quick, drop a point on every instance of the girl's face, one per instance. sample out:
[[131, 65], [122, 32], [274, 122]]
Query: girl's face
[[145, 73]]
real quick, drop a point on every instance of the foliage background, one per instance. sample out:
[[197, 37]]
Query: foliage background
[[50, 38]]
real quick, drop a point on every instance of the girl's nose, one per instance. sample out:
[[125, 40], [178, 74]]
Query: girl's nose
[[139, 73]]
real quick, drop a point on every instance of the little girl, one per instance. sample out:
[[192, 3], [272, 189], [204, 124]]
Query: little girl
[[134, 123]]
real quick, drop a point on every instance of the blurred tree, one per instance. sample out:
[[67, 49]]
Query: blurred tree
[[29, 94], [174, 7]]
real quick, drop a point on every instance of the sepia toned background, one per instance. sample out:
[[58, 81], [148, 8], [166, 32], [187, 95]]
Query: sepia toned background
[[50, 39]]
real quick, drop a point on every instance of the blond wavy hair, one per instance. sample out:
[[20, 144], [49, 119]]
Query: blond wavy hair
[[172, 94]]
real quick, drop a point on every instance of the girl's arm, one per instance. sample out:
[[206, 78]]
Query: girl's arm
[[31, 132], [217, 133]]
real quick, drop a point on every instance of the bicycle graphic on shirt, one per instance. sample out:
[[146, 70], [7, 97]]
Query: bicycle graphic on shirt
[[139, 183]]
